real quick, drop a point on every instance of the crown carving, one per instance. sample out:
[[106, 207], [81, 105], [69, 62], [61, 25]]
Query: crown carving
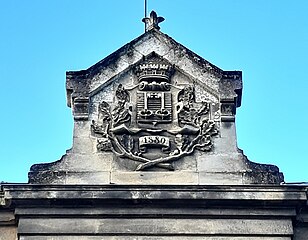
[[154, 70]]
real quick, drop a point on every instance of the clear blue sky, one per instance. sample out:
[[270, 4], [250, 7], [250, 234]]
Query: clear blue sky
[[41, 40]]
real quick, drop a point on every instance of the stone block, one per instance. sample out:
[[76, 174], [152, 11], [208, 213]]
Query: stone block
[[83, 145], [136, 237], [151, 209], [87, 162], [227, 142], [220, 178], [8, 233], [155, 226], [98, 177], [155, 178], [81, 128], [218, 162], [301, 233], [6, 217]]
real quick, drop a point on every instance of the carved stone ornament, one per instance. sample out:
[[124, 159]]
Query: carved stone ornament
[[152, 21], [162, 124]]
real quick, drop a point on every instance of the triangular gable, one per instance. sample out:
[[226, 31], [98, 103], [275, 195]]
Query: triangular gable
[[131, 53]]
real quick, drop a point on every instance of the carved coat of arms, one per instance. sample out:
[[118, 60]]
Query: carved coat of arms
[[155, 122]]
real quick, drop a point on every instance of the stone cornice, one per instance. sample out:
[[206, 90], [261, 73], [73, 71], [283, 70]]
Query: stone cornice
[[28, 194]]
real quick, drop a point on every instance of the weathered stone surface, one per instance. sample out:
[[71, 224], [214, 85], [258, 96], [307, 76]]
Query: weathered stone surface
[[301, 225], [144, 209], [8, 233], [157, 212], [156, 192], [301, 233], [112, 133], [154, 226], [154, 156], [63, 237], [148, 238], [8, 224], [159, 178], [7, 217], [221, 178]]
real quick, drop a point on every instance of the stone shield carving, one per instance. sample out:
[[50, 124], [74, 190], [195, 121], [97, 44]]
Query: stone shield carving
[[156, 122]]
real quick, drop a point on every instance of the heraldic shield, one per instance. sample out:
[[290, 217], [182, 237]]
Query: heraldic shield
[[154, 120]]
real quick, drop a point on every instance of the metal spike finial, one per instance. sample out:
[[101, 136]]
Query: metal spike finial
[[152, 21]]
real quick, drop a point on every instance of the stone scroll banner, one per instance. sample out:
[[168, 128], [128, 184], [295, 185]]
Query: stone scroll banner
[[154, 141]]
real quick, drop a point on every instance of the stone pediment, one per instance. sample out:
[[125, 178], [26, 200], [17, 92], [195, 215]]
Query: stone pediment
[[153, 112], [188, 62], [151, 136]]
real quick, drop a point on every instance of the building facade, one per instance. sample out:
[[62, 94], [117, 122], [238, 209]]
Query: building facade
[[154, 156]]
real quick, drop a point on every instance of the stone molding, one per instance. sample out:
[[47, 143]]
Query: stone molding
[[256, 193], [161, 212]]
